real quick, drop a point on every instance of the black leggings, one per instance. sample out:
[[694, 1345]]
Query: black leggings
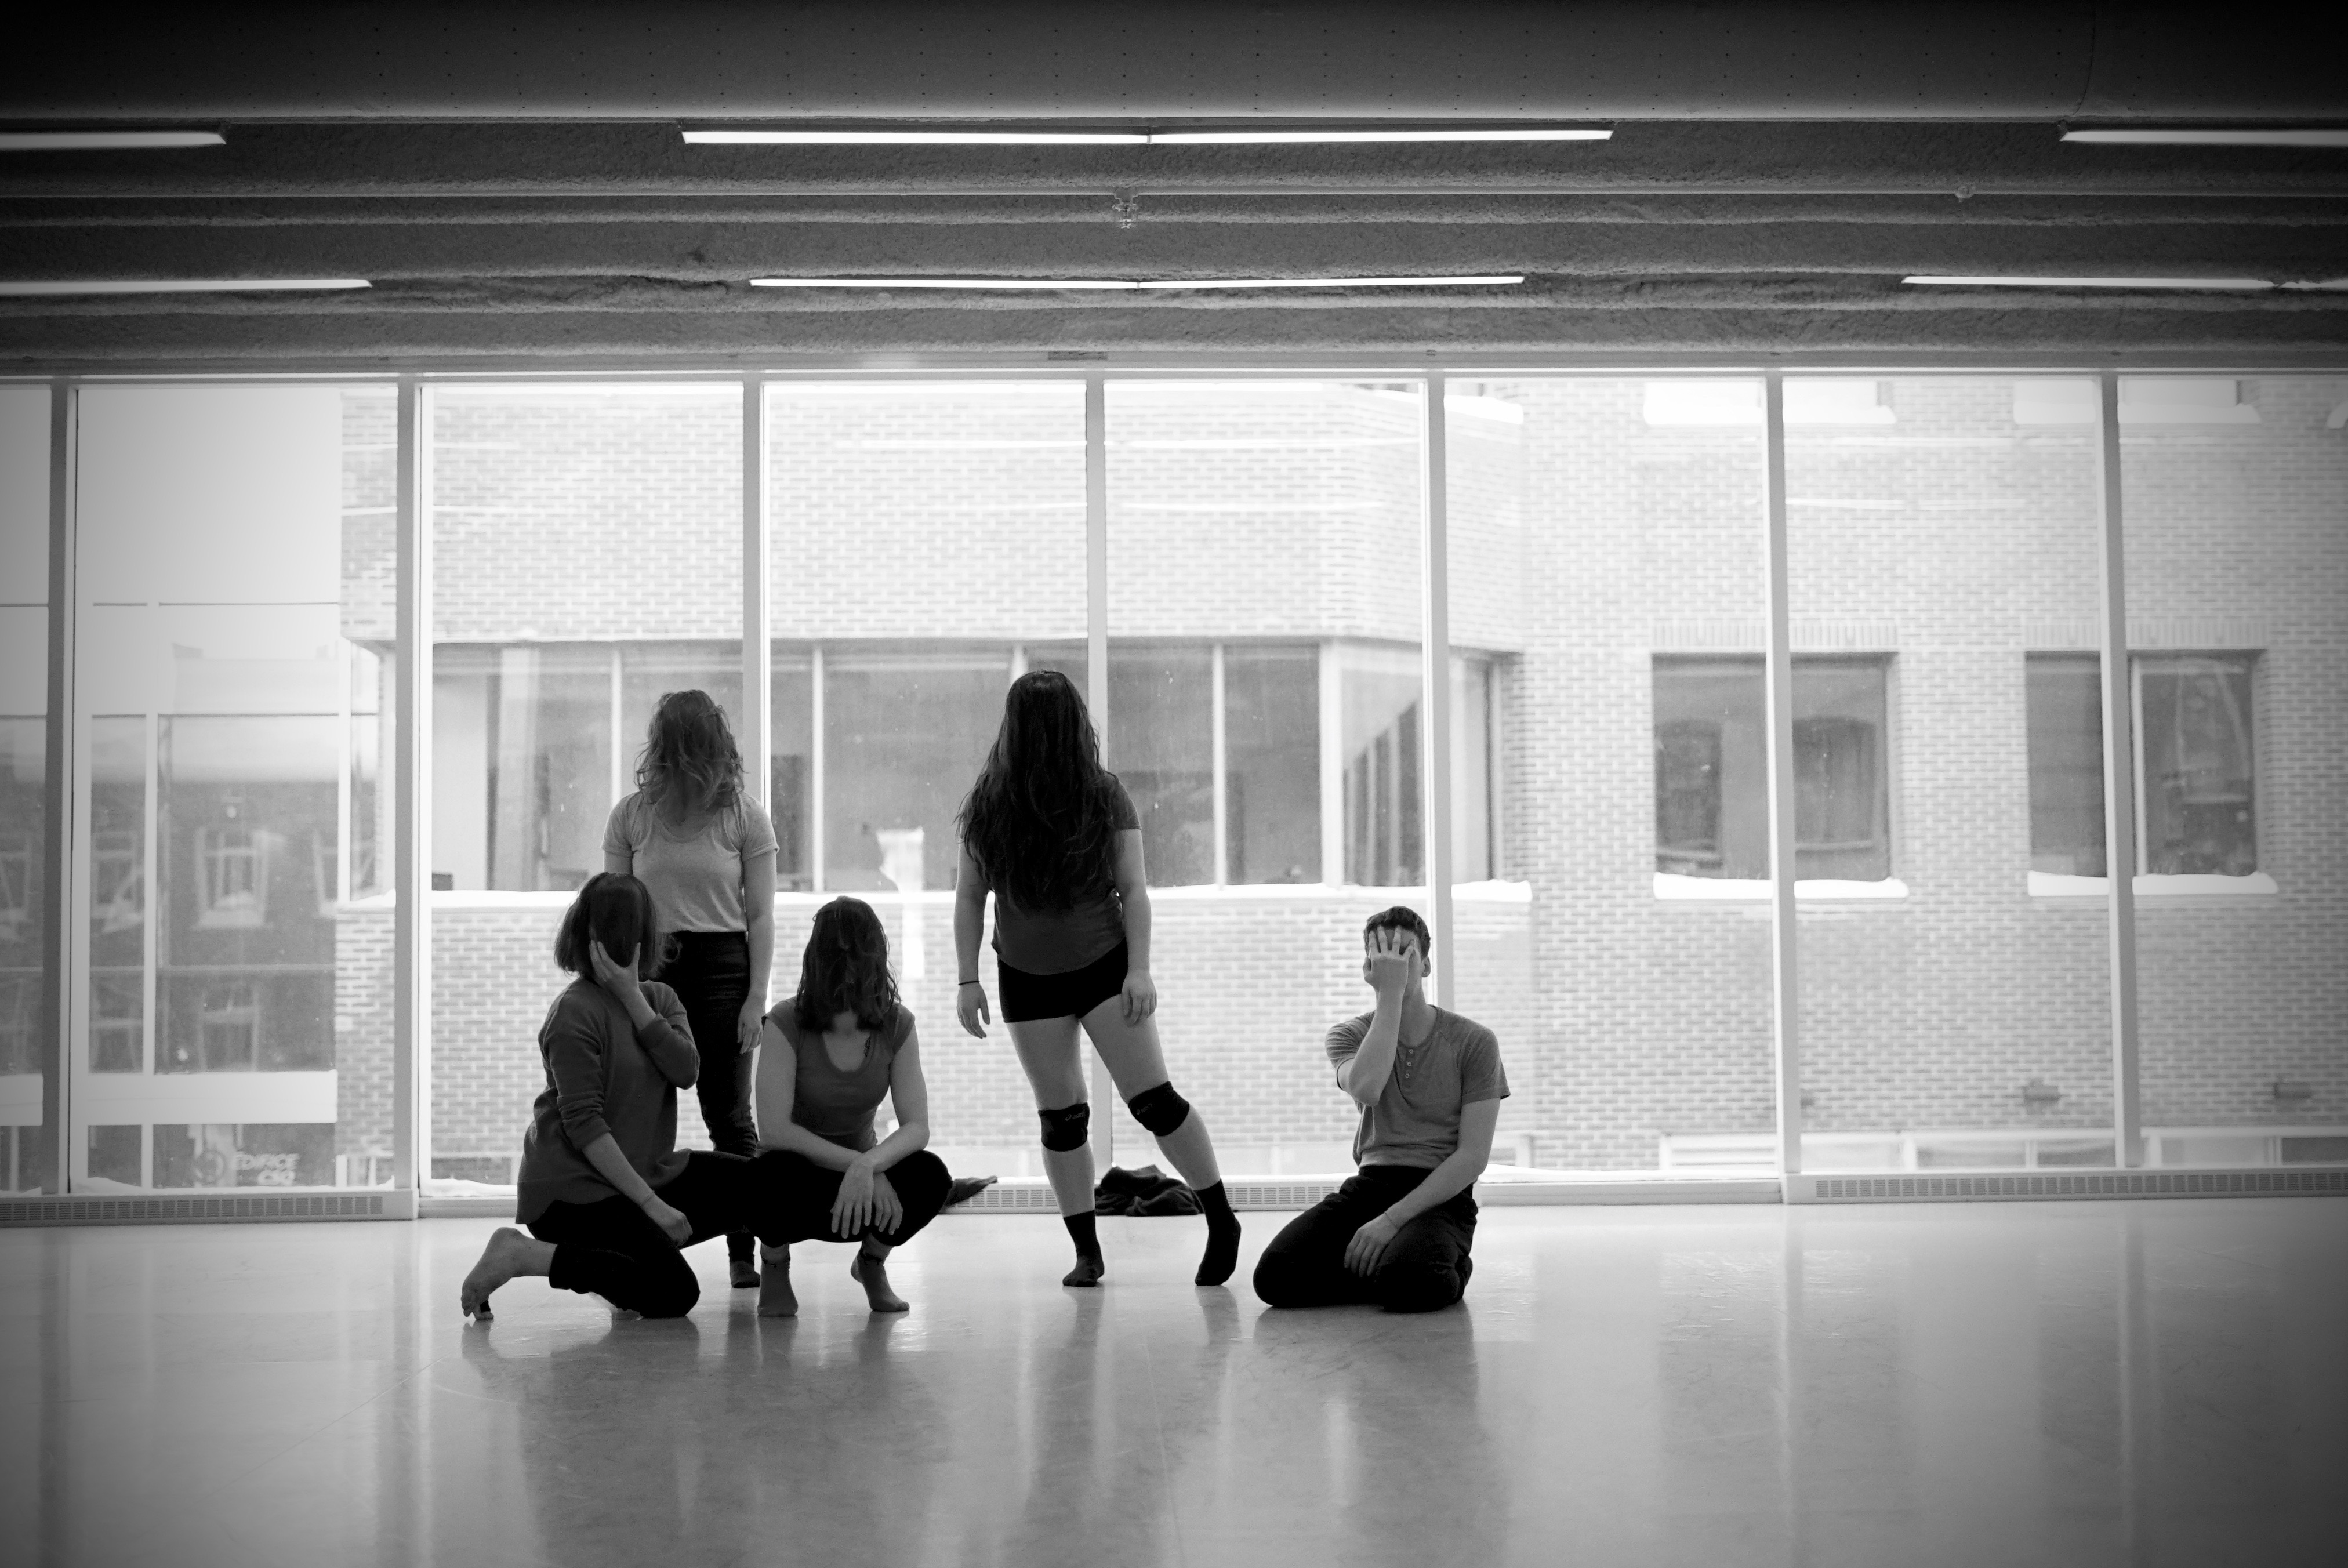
[[807, 1191], [1425, 1267], [711, 975], [613, 1249]]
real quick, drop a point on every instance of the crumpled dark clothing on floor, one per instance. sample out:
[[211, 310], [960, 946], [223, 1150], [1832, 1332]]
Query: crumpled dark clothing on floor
[[1146, 1190]]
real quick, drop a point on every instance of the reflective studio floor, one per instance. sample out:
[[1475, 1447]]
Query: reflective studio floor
[[1996, 1384]]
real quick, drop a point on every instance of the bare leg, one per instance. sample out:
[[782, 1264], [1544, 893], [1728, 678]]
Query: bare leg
[[1137, 1063], [870, 1268], [511, 1255], [776, 1298], [1049, 1054]]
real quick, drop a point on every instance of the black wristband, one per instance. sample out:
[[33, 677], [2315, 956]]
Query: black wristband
[[966, 983]]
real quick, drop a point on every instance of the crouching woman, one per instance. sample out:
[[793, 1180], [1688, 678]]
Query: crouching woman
[[828, 1057], [608, 1198]]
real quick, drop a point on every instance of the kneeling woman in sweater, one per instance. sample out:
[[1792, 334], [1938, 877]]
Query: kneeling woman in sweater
[[829, 1056], [608, 1198]]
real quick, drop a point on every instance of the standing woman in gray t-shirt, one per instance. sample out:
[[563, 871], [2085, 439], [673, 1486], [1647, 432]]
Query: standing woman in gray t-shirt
[[1052, 834], [692, 834]]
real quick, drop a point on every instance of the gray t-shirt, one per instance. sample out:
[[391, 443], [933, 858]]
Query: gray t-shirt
[[695, 878], [1416, 1119], [1062, 941]]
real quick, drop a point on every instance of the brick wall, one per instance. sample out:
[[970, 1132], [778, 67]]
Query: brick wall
[[1584, 540]]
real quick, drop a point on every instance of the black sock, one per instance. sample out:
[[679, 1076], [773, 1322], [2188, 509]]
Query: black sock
[[1086, 1234], [1222, 1255]]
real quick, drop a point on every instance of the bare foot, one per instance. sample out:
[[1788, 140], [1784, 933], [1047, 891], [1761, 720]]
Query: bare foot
[[776, 1298], [872, 1274], [509, 1253]]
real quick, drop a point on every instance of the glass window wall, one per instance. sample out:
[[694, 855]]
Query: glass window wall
[[231, 1018], [26, 913]]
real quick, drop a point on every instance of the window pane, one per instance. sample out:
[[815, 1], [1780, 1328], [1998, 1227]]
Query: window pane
[[26, 912], [2236, 503], [1272, 749], [2067, 764], [587, 557], [928, 540], [237, 543], [1943, 555], [2200, 817], [1162, 695], [1264, 616], [1606, 576], [905, 730]]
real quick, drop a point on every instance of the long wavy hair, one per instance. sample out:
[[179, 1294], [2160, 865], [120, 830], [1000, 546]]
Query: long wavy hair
[[846, 969], [616, 910], [1042, 819], [689, 747]]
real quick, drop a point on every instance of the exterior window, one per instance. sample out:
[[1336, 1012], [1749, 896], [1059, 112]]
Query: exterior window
[[114, 1153], [233, 876], [229, 1027], [1271, 764], [1384, 833], [118, 1028], [1711, 784], [2195, 718], [16, 852], [297, 1154], [2196, 783]]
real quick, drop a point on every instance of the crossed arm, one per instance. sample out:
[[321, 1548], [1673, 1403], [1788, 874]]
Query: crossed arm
[[865, 1194]]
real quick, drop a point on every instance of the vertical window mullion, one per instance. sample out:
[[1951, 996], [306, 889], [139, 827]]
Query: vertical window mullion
[[2123, 776], [412, 770], [1218, 760], [1435, 785], [819, 765], [1778, 707], [757, 727], [1104, 1129], [65, 937]]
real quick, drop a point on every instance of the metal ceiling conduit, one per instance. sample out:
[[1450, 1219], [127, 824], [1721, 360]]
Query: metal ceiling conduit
[[1181, 61]]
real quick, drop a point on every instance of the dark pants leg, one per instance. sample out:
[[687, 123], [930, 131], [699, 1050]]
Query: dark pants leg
[[711, 975], [1425, 1267], [613, 1249], [794, 1203]]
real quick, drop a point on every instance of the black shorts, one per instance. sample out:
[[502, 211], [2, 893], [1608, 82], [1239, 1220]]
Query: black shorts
[[1026, 997]]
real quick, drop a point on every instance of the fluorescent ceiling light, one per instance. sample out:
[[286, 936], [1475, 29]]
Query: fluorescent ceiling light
[[2237, 284], [82, 140], [2201, 137], [943, 284], [1328, 283], [1128, 284], [916, 138], [174, 285], [1117, 138], [1179, 137]]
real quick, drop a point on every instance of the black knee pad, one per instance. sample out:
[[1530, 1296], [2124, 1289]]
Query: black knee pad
[[1067, 1127], [1160, 1109]]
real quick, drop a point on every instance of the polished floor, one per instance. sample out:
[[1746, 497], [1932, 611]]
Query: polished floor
[[1995, 1384]]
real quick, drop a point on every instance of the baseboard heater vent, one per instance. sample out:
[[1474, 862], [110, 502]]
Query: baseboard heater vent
[[2117, 1184], [87, 1210], [1035, 1197]]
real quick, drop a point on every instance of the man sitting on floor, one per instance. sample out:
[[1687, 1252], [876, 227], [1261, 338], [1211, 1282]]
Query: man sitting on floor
[[1430, 1085]]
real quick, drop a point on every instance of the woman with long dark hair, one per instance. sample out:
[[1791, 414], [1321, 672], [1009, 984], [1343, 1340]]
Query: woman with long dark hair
[[1053, 835], [693, 834], [833, 1052], [607, 1197]]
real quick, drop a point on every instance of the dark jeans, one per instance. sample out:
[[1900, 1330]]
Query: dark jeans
[[803, 1200], [613, 1249], [1425, 1267], [711, 975]]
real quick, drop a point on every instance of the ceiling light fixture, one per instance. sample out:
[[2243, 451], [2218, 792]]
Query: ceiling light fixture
[[910, 138], [1176, 137], [1331, 282], [173, 285], [1131, 284], [915, 138], [2239, 285], [2198, 136], [86, 140]]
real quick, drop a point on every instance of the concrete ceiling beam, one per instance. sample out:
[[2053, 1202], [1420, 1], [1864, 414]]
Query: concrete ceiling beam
[[1756, 157], [889, 58]]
